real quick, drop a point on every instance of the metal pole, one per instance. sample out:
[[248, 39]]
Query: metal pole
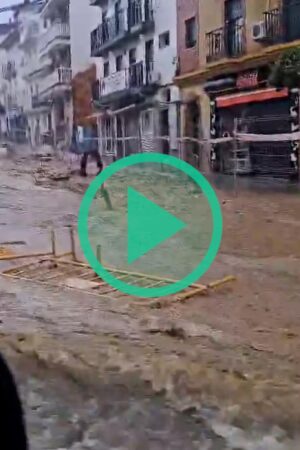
[[53, 242], [99, 253], [235, 149], [73, 245]]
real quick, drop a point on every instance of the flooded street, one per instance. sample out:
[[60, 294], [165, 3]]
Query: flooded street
[[220, 372]]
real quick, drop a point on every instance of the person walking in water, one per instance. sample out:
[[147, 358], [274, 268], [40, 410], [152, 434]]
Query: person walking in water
[[90, 145], [86, 145]]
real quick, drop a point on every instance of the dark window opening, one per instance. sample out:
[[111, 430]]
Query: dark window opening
[[190, 32], [106, 69], [164, 39], [119, 63], [132, 56]]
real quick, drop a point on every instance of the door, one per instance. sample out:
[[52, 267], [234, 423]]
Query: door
[[117, 17], [132, 68], [165, 130], [120, 137], [191, 149], [234, 27], [291, 17], [149, 58], [49, 120]]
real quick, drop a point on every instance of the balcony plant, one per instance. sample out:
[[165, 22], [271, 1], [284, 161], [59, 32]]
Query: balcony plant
[[286, 71]]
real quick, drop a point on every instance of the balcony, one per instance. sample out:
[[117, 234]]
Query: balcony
[[58, 35], [226, 42], [37, 102], [273, 25], [35, 65], [140, 16], [53, 7], [9, 71], [283, 24], [55, 83], [108, 34], [134, 81], [137, 19]]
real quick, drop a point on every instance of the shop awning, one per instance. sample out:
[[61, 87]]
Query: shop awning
[[261, 95]]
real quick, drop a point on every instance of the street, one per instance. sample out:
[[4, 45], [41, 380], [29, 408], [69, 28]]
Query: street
[[217, 372]]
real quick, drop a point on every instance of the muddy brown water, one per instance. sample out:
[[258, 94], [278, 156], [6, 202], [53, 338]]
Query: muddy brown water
[[64, 414]]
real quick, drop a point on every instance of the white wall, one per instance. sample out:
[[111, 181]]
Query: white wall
[[165, 16], [165, 58], [83, 20]]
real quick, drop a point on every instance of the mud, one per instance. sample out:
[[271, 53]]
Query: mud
[[95, 369]]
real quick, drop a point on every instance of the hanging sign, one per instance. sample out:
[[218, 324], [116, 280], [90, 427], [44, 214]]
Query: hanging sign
[[247, 80]]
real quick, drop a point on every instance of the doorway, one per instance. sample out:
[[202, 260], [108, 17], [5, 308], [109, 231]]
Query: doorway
[[234, 26], [149, 58], [192, 130], [165, 130]]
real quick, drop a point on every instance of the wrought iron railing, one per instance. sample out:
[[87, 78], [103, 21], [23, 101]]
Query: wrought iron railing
[[273, 25], [226, 42], [107, 31], [137, 75], [283, 24], [139, 11]]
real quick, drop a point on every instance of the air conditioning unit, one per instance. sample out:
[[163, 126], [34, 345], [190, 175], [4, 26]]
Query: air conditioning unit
[[259, 32]]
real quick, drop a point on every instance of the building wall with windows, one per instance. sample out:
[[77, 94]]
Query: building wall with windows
[[238, 41], [135, 44], [188, 56]]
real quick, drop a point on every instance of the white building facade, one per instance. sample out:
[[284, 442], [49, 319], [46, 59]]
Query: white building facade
[[13, 87], [55, 73], [36, 72], [138, 105]]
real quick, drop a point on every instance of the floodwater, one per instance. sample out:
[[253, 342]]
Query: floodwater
[[48, 333], [61, 414]]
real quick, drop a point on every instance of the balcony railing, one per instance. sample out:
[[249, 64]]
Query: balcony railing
[[9, 70], [60, 76], [140, 12], [136, 76], [273, 25], [283, 24], [112, 29], [107, 32], [37, 102], [226, 42], [58, 30]]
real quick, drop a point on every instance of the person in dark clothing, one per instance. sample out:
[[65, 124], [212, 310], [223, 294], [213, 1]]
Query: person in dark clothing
[[12, 424], [90, 149]]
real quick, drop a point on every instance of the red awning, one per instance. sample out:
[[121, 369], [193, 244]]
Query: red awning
[[251, 97]]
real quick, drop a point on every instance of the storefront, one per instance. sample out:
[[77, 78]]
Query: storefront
[[245, 103]]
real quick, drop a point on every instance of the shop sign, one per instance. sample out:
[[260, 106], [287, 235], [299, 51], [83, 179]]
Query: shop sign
[[247, 80]]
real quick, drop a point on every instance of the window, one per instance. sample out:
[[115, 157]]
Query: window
[[106, 69], [164, 39], [119, 63], [190, 32], [132, 56]]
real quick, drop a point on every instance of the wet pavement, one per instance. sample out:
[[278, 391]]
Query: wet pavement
[[94, 375]]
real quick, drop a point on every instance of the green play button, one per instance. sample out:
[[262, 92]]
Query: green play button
[[148, 225], [162, 232]]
